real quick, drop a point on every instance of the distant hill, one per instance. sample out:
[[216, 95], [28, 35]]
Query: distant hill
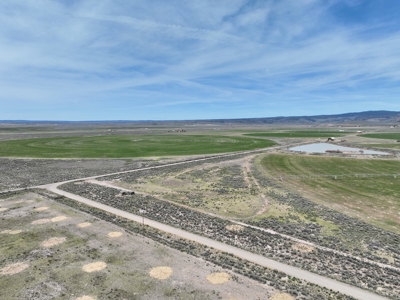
[[365, 117]]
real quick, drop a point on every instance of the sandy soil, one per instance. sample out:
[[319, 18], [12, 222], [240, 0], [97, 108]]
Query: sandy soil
[[283, 296], [85, 298], [58, 219], [161, 273], [14, 268], [53, 242], [93, 267], [218, 278], [85, 224], [41, 221], [114, 234], [42, 208]]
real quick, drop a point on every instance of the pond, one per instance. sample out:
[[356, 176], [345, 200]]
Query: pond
[[323, 147]]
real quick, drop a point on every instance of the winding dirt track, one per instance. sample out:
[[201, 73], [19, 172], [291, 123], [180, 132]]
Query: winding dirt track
[[263, 261]]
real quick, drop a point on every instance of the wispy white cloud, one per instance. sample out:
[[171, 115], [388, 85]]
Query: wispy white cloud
[[259, 55]]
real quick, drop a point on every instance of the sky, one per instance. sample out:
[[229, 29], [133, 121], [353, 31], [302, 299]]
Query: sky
[[179, 60]]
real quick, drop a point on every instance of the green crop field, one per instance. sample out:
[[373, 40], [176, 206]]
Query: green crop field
[[128, 146], [363, 188], [299, 134], [386, 136]]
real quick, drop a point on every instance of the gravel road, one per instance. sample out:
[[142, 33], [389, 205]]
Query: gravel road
[[263, 261]]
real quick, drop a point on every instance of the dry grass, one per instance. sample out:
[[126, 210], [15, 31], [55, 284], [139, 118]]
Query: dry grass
[[93, 267], [303, 248], [53, 241], [59, 218], [85, 298], [44, 221], [161, 273], [282, 296], [218, 278], [42, 208], [85, 224], [14, 268], [114, 234]]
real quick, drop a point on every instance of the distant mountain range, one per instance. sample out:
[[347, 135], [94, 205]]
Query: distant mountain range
[[365, 117]]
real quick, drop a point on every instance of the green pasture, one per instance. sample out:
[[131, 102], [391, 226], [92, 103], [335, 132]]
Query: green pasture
[[128, 146], [298, 134], [386, 136], [363, 188], [385, 146]]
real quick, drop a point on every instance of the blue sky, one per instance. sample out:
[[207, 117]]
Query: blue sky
[[166, 60]]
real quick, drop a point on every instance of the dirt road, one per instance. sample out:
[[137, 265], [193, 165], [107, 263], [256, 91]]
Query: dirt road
[[263, 261]]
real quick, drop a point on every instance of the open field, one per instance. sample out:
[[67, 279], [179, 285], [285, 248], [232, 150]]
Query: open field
[[220, 188], [383, 135], [360, 189], [74, 255], [287, 207], [78, 256], [299, 134], [128, 146]]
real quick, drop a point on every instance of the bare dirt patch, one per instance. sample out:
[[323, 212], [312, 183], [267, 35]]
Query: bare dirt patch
[[282, 296], [42, 208], [161, 273], [58, 219], [93, 267], [85, 298], [41, 221], [85, 224], [303, 248], [218, 278], [14, 268], [114, 234], [235, 228], [53, 241], [3, 209]]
